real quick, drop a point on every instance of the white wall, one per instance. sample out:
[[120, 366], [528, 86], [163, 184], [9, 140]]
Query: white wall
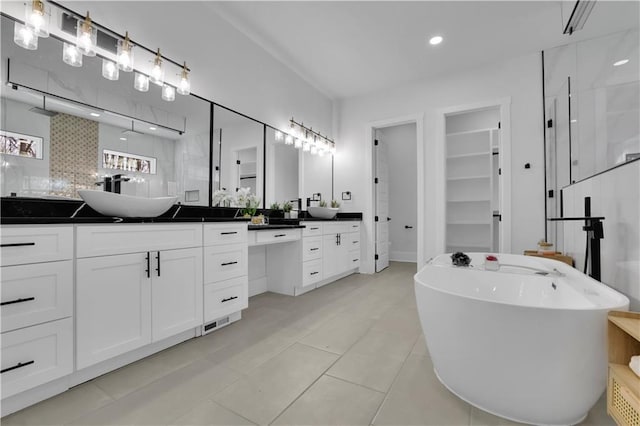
[[616, 196], [192, 167], [25, 176], [519, 78], [403, 207]]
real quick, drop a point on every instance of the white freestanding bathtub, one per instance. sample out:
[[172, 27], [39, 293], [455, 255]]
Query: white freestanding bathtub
[[516, 343]]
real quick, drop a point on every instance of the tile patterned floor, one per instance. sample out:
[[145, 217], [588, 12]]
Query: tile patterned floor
[[350, 353]]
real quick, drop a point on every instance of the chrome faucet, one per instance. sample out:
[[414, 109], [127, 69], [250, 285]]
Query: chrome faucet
[[117, 180], [113, 184]]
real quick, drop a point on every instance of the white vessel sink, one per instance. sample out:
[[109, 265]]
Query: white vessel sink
[[323, 212], [111, 204]]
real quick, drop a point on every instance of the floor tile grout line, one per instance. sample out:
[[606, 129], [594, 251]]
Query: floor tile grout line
[[395, 379], [210, 399], [354, 383]]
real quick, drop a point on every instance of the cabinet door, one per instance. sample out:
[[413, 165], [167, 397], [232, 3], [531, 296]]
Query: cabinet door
[[113, 307], [335, 255], [176, 291]]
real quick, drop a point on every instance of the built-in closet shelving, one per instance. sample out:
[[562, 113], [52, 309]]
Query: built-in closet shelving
[[472, 189]]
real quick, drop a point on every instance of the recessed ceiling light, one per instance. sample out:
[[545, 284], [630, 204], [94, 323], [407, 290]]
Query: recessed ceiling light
[[95, 114], [123, 138], [621, 62], [435, 40], [152, 128]]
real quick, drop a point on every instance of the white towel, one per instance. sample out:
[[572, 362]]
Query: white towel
[[634, 364]]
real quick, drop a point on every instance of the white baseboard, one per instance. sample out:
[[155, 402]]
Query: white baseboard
[[403, 256], [257, 286]]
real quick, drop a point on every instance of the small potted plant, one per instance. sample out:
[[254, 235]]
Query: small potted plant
[[275, 206], [322, 203], [335, 204], [249, 204], [286, 207]]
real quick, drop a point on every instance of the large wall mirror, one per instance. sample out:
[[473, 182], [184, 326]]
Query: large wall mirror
[[592, 108], [283, 177], [63, 128]]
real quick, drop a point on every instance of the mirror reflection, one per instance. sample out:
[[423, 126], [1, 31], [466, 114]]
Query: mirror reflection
[[100, 128], [282, 177], [318, 177], [241, 151]]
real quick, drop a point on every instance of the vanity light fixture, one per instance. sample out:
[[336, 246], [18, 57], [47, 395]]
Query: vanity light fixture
[[184, 88], [157, 73], [87, 36], [620, 62], [152, 128], [125, 54], [110, 70], [141, 82], [435, 40], [168, 93], [122, 138], [25, 37], [71, 55], [288, 140], [37, 16], [309, 140], [297, 143], [94, 114], [278, 136]]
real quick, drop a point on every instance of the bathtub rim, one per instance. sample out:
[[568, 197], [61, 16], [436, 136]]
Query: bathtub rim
[[622, 304]]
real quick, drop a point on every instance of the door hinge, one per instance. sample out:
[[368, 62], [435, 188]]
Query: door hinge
[[499, 218], [549, 124], [376, 257], [499, 125], [375, 180], [237, 161], [500, 171], [550, 193], [375, 142], [376, 219]]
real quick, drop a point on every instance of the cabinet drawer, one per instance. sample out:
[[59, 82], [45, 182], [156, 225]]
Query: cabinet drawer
[[354, 259], [352, 240], [277, 236], [311, 272], [216, 234], [311, 248], [33, 294], [311, 229], [225, 298], [225, 262], [100, 240], [35, 355], [32, 244], [354, 226]]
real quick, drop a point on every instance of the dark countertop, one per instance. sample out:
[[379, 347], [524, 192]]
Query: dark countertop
[[275, 226], [24, 211]]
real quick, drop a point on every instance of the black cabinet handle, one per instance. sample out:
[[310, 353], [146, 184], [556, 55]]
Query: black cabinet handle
[[355, 260], [17, 244], [228, 263], [158, 268], [408, 227], [18, 365], [280, 235], [339, 239], [148, 270], [228, 298], [356, 242], [314, 249], [11, 302], [228, 233], [314, 229], [354, 226], [314, 273]]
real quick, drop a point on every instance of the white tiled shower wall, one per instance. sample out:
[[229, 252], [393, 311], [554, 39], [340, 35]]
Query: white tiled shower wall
[[616, 196]]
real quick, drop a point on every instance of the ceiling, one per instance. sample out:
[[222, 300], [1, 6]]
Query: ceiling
[[351, 48]]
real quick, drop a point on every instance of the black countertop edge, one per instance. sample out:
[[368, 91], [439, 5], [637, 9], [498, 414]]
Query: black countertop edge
[[270, 227], [105, 219]]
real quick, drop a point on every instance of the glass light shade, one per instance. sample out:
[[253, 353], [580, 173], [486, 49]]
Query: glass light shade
[[168, 93], [298, 143], [313, 150], [125, 54], [141, 82], [306, 146], [278, 135], [71, 55], [288, 140], [184, 88], [110, 70], [86, 37], [321, 152], [37, 17], [332, 150], [25, 37]]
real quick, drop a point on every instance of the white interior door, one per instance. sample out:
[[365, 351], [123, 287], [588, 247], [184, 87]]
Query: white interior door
[[381, 183]]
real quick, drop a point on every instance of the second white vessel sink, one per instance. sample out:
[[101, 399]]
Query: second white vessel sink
[[118, 205], [323, 212]]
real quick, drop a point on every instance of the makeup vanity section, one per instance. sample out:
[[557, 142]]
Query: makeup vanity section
[[82, 297]]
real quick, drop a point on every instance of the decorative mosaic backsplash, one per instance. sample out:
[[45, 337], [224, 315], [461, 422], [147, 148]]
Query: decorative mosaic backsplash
[[74, 151]]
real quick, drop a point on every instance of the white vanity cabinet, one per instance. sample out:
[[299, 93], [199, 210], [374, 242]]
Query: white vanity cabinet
[[341, 247], [312, 254], [36, 305], [226, 273], [135, 284]]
